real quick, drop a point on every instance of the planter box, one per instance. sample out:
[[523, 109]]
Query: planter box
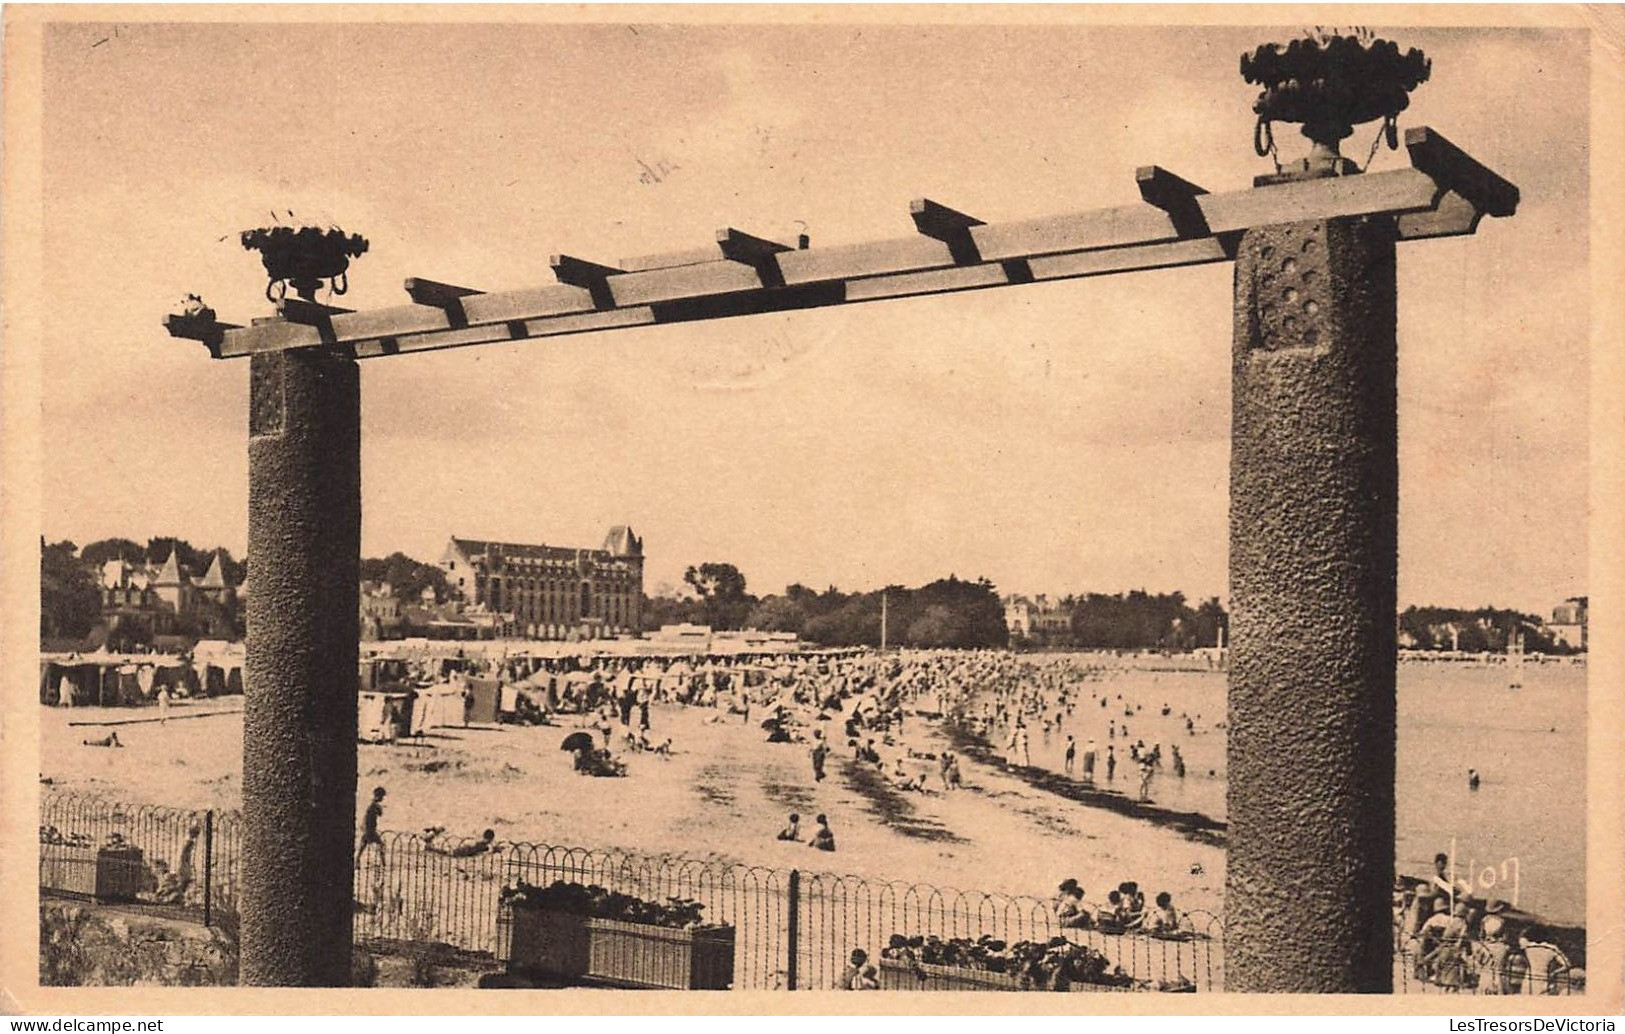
[[105, 874], [630, 954], [896, 975]]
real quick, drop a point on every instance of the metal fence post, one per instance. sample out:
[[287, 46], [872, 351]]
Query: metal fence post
[[794, 929], [208, 867]]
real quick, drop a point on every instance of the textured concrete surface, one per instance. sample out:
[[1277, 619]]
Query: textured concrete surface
[[299, 708], [1313, 542]]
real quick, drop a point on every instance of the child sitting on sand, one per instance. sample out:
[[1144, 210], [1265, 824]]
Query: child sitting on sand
[[824, 840], [110, 740], [793, 830]]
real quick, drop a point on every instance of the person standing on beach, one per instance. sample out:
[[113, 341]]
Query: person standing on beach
[[1089, 762], [820, 754], [163, 705], [1147, 769], [1071, 752], [1021, 746], [1111, 762]]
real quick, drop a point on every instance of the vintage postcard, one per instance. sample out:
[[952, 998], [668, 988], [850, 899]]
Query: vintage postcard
[[749, 503]]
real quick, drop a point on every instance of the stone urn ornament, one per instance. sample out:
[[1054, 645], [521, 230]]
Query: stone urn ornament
[[304, 258], [1331, 82]]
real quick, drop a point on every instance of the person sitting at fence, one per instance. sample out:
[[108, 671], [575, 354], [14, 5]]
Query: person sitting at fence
[[1070, 910], [1491, 957], [1111, 916], [823, 839], [110, 740], [793, 830], [1133, 912], [860, 975], [1447, 961], [1165, 920], [1417, 911]]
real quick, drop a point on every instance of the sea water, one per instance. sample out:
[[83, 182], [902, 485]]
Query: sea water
[[1520, 835]]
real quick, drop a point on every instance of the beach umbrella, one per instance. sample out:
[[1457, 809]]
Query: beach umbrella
[[577, 741]]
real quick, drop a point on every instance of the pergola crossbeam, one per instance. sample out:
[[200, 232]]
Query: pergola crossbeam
[[1174, 195], [1445, 193], [433, 292]]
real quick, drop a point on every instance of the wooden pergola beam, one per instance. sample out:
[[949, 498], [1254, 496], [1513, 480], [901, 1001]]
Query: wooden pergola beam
[[1437, 157], [433, 292], [1174, 195], [951, 227], [1445, 193], [590, 275]]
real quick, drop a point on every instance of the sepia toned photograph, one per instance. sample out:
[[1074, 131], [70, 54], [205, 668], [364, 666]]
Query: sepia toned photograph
[[567, 502]]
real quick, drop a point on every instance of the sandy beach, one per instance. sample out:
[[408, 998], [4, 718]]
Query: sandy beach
[[722, 795]]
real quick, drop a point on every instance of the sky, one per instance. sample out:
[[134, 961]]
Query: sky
[[1059, 437]]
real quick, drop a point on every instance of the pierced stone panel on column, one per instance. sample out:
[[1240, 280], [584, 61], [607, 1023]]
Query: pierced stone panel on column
[[267, 402]]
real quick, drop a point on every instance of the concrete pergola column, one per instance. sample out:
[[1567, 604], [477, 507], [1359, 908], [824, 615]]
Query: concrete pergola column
[[299, 709], [1314, 492]]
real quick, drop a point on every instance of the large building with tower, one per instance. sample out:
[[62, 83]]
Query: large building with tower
[[553, 592]]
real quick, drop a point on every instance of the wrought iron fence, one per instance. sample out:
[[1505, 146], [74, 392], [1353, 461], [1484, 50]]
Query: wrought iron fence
[[792, 929], [428, 891], [797, 930], [1526, 968], [95, 847]]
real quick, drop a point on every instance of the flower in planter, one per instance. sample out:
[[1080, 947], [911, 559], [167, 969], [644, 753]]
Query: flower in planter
[[193, 307], [601, 903], [1053, 964]]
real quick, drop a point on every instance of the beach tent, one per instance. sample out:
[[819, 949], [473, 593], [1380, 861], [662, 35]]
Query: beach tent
[[177, 676], [383, 717], [218, 667], [79, 680], [436, 707], [484, 699]]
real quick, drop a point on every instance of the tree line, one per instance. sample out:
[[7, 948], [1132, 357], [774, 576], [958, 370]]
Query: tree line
[[1134, 620], [1484, 630], [949, 612]]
